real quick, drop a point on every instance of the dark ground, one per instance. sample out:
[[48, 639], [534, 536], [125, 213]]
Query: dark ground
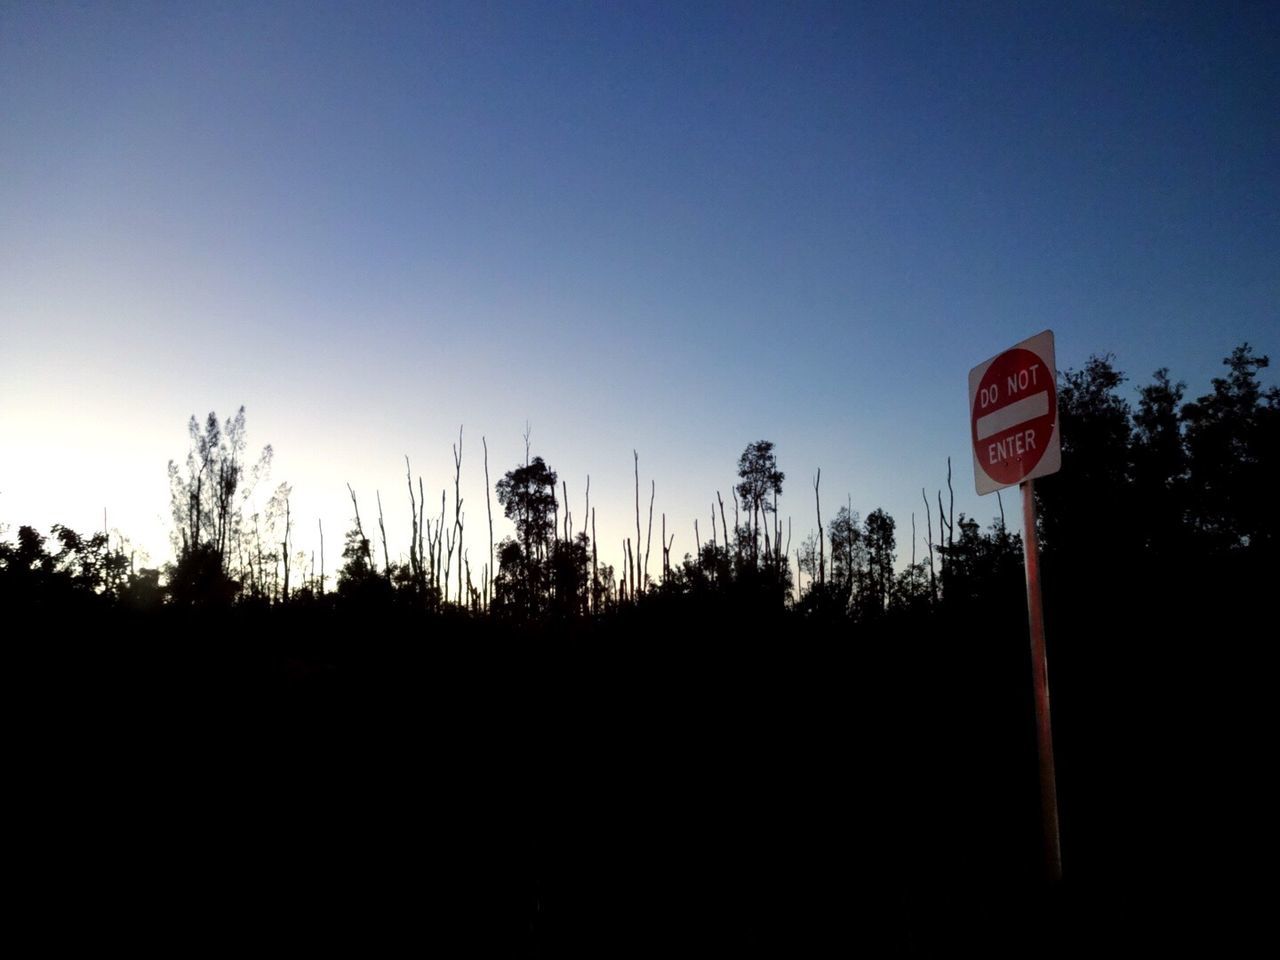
[[734, 787]]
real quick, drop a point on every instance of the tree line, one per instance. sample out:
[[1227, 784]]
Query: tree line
[[727, 746], [1169, 481]]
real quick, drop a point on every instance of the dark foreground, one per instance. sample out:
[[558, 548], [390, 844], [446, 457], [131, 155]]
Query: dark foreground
[[278, 779]]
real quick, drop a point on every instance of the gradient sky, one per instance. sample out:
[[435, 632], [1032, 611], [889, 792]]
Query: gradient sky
[[670, 228]]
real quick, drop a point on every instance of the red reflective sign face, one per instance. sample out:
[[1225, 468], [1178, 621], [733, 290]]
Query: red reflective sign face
[[1013, 415]]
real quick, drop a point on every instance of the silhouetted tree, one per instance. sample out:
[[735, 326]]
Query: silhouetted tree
[[708, 575], [911, 593], [807, 558], [197, 579], [1232, 436], [142, 590], [761, 481], [1093, 492], [570, 575], [983, 565], [85, 572], [848, 556], [528, 499], [207, 500], [878, 534], [1160, 466], [356, 553], [89, 562], [359, 580]]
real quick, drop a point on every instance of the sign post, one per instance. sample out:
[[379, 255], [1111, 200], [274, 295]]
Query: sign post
[[1013, 419]]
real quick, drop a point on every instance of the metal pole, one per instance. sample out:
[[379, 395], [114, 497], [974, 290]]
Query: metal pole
[[1040, 679]]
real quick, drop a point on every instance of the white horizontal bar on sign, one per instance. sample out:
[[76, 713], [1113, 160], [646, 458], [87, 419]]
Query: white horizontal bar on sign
[[1028, 408]]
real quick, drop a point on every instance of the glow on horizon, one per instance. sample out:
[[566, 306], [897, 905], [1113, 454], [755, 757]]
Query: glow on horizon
[[83, 465], [670, 229]]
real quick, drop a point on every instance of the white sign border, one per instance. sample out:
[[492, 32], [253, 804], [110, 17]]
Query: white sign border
[[1042, 346]]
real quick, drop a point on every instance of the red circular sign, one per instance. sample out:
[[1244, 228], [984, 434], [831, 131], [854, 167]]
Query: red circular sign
[[1013, 415]]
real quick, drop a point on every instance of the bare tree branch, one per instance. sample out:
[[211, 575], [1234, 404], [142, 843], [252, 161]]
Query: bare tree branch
[[822, 536], [488, 507], [648, 540]]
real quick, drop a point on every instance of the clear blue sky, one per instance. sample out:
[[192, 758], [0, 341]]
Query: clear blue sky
[[674, 228]]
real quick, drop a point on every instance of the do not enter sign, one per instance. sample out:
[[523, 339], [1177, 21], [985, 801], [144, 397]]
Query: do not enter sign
[[1013, 415], [1013, 418]]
